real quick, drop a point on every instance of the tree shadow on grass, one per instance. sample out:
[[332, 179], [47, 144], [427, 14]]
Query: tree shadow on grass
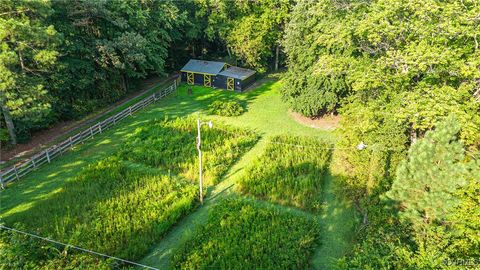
[[182, 104], [101, 212]]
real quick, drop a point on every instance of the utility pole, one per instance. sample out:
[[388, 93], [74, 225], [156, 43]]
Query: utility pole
[[199, 148]]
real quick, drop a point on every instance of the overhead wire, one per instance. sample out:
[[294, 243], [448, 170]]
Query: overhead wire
[[76, 247]]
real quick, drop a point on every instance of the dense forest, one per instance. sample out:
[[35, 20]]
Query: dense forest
[[403, 74], [61, 60]]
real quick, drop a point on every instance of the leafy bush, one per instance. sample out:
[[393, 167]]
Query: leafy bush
[[170, 145], [226, 108], [113, 207], [287, 173], [245, 234]]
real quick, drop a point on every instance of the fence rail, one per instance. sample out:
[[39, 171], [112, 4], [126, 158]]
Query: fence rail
[[46, 156]]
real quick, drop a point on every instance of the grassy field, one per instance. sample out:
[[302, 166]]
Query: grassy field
[[295, 178], [245, 234], [265, 114]]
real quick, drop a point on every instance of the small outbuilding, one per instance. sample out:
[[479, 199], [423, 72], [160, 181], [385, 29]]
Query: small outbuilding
[[235, 78], [217, 75]]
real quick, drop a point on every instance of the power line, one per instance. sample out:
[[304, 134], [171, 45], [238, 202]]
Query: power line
[[77, 248]]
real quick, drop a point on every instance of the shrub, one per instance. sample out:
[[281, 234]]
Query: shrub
[[226, 108], [245, 234], [170, 145], [287, 173], [112, 207]]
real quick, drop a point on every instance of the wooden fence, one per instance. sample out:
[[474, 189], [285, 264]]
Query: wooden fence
[[46, 156]]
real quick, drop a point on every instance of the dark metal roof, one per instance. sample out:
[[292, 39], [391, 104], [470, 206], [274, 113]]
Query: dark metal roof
[[237, 72], [202, 66]]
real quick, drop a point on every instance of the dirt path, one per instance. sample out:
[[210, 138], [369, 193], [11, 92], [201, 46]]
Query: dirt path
[[329, 122], [44, 138]]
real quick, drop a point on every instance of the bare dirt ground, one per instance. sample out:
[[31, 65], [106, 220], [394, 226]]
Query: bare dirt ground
[[327, 122], [45, 137]]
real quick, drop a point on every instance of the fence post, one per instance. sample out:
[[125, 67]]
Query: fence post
[[16, 172], [71, 143], [130, 110], [48, 155], [33, 162], [100, 127], [91, 132], [1, 181], [114, 122]]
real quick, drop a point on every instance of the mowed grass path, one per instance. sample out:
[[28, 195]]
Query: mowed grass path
[[266, 114]]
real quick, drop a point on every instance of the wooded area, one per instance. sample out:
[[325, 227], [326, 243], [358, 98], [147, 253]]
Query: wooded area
[[404, 75], [63, 59]]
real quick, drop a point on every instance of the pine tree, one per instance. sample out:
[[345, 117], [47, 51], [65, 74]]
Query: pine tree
[[426, 181]]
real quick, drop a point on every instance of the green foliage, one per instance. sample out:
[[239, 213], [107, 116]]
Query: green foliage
[[28, 53], [62, 60], [434, 169], [422, 55], [435, 218], [289, 174], [250, 30], [4, 137], [243, 234], [113, 207], [317, 46], [24, 252], [226, 108], [170, 145], [362, 175]]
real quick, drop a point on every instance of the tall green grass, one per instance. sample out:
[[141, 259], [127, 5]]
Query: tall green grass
[[113, 207], [245, 234], [290, 172], [123, 204], [226, 108], [170, 145]]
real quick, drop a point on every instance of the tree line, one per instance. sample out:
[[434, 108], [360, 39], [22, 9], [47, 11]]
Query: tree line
[[61, 60], [405, 77]]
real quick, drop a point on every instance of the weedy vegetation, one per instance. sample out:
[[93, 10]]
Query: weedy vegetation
[[113, 207], [226, 108], [289, 172], [246, 234], [123, 204], [170, 145]]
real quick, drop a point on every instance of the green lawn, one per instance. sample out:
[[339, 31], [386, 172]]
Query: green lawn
[[265, 113]]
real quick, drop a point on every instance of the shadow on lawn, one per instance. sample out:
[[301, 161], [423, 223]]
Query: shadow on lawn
[[50, 178], [183, 104]]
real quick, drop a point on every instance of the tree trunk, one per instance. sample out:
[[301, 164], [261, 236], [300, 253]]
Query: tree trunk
[[124, 83], [413, 135], [9, 122], [277, 52], [229, 53]]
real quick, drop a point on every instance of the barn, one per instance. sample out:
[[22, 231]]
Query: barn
[[217, 75]]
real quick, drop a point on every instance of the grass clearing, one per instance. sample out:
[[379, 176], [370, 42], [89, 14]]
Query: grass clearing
[[243, 234], [265, 114], [290, 172]]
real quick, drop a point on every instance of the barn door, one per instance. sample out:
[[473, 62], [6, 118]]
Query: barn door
[[207, 80], [230, 84], [190, 78]]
